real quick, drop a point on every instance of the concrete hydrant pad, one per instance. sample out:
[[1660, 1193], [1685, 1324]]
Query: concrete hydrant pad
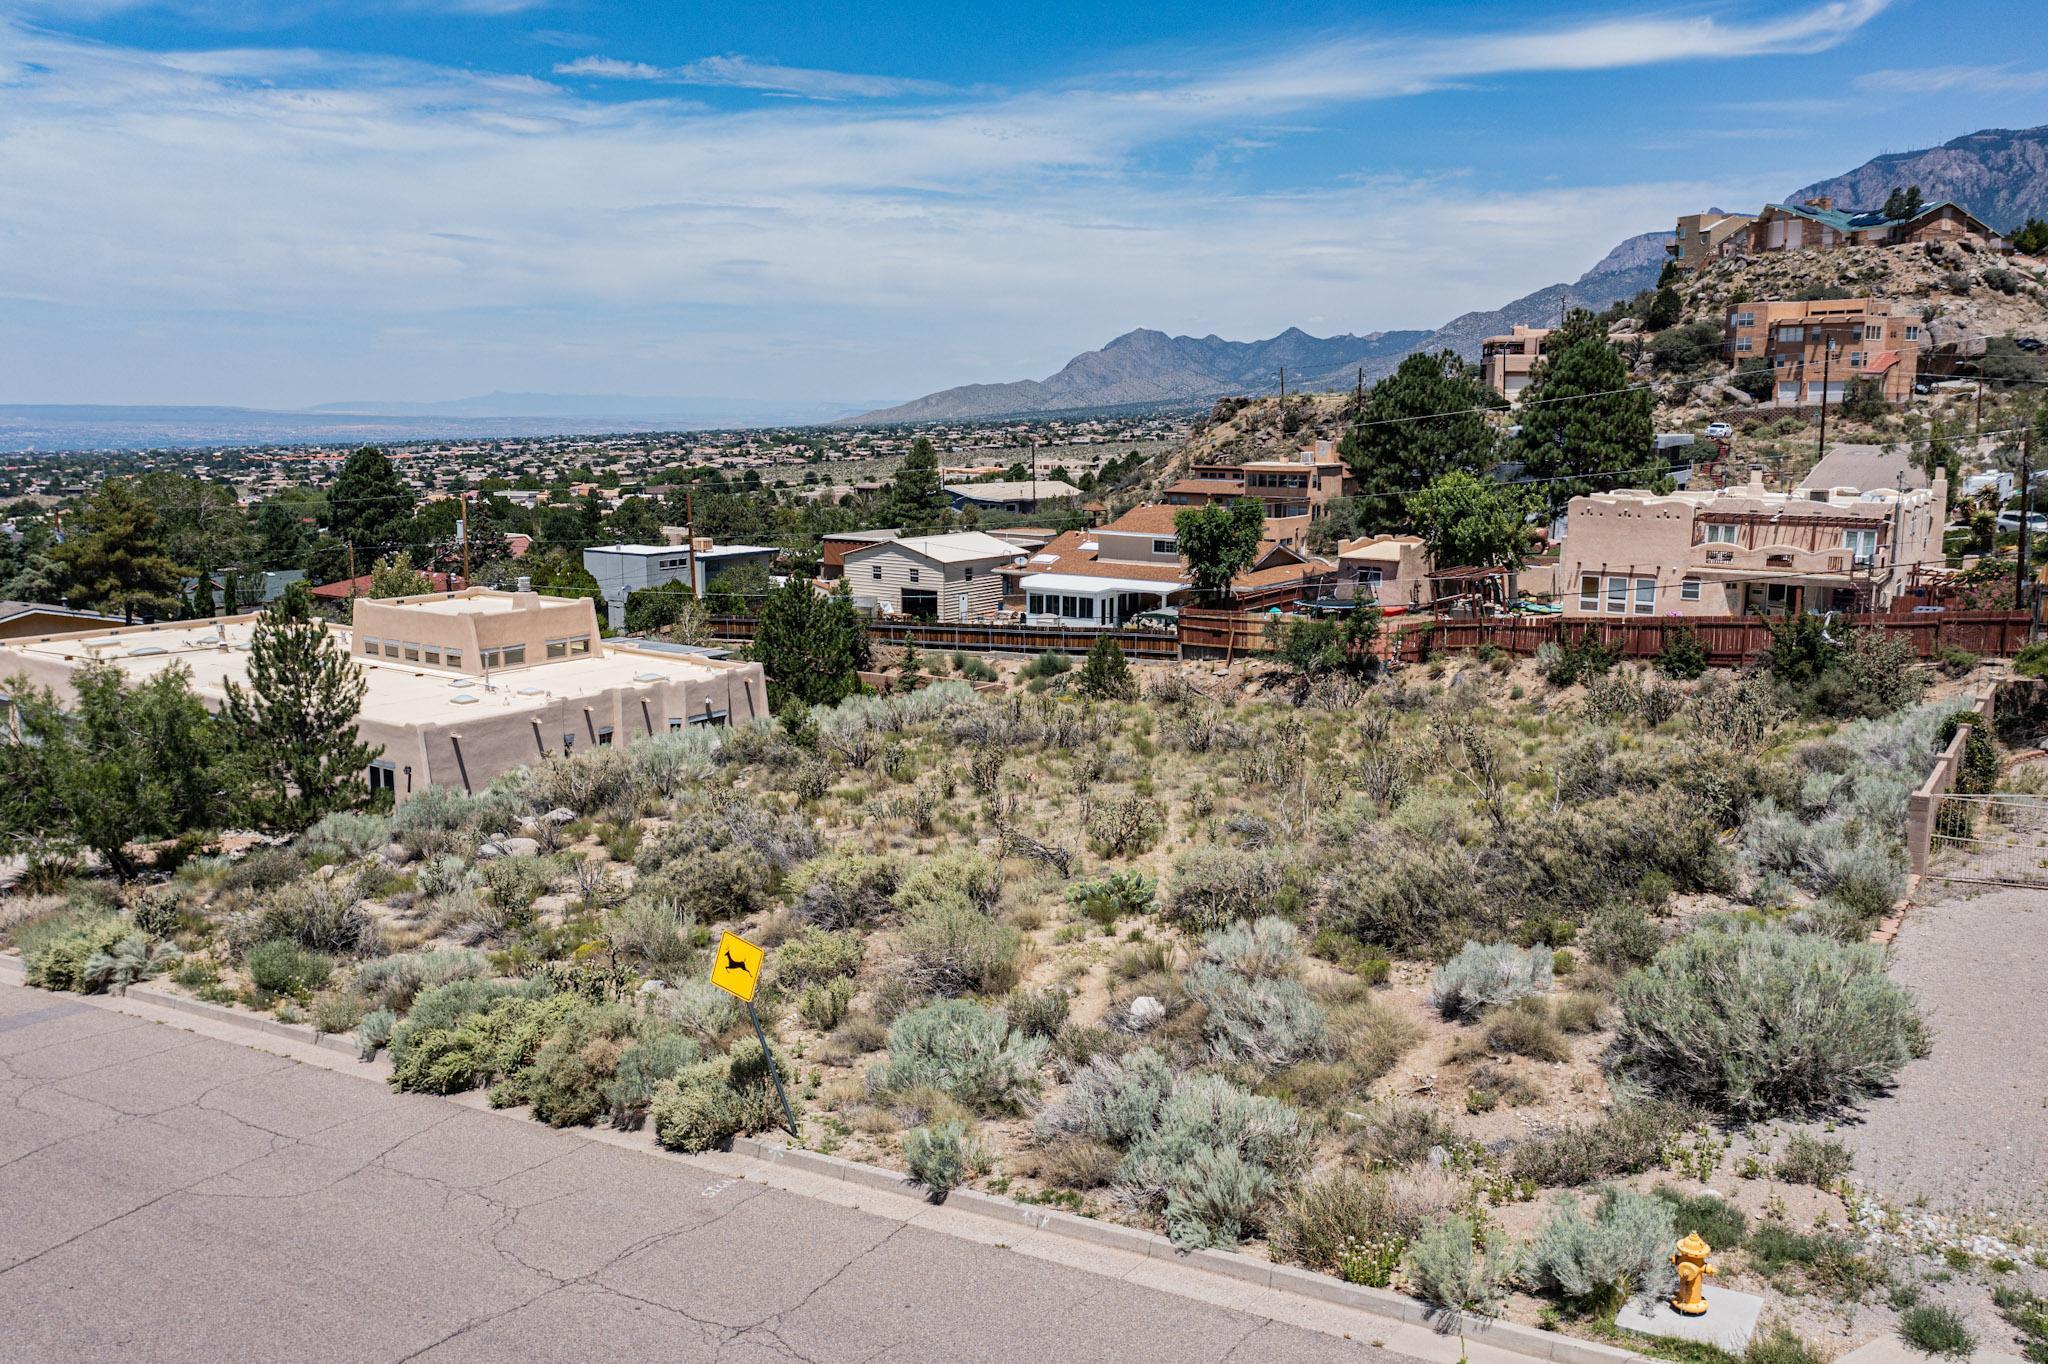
[[1729, 1322]]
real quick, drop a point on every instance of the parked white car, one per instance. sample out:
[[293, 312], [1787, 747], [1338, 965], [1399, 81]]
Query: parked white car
[[2037, 524], [1719, 430]]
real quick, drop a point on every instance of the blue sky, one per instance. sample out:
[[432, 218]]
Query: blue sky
[[305, 201]]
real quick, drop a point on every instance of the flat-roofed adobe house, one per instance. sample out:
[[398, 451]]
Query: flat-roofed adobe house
[[936, 577], [460, 687], [1010, 495]]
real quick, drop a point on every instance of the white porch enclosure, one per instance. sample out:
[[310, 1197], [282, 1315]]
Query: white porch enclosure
[[1083, 601]]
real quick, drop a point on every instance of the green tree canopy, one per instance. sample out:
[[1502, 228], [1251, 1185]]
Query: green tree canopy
[[634, 522], [811, 647], [1586, 423], [295, 722], [129, 763], [1219, 541], [1426, 418], [916, 502], [112, 557], [370, 505], [1472, 522], [395, 576]]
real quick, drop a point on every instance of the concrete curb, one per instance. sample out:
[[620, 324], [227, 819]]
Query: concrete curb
[[1378, 1302]]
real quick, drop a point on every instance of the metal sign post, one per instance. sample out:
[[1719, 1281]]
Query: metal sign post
[[736, 969]]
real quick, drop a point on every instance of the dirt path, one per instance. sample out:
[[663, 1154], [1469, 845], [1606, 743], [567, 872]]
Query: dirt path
[[1967, 1127]]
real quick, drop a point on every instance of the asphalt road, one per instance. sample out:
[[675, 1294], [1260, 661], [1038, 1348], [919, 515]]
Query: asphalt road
[[166, 1196]]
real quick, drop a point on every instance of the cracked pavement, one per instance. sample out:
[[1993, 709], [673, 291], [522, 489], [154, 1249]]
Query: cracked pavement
[[166, 1196]]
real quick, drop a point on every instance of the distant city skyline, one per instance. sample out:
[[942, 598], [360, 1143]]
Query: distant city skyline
[[282, 205]]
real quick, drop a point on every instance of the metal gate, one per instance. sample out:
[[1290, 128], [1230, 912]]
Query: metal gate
[[1999, 840]]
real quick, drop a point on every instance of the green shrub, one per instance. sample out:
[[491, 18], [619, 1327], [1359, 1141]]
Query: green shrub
[[1761, 1021], [1827, 1262], [1483, 975], [1406, 896], [484, 1045], [815, 955], [266, 869], [1936, 1331], [714, 1100], [1579, 1012], [1780, 1345], [1525, 1029], [844, 890], [964, 1050], [325, 915], [336, 1012], [1369, 964], [1253, 1009], [1107, 899], [374, 1031], [1049, 664], [1447, 1270], [952, 878], [1683, 656], [348, 833], [823, 1005], [941, 1157], [951, 947], [1037, 1013], [1814, 1160], [566, 1078], [60, 953], [657, 1055], [1404, 1134], [1626, 1141], [1214, 887], [1333, 1222], [2027, 1314], [1720, 1223], [1623, 1250], [395, 982], [283, 967]]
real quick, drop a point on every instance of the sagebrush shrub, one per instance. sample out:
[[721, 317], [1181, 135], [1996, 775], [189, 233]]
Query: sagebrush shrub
[[940, 1157], [823, 1004], [844, 889], [1445, 1269], [951, 879], [964, 1050], [656, 1055], [1214, 887], [56, 951], [711, 1101], [1622, 1250], [815, 955], [348, 833], [281, 966], [1486, 974], [395, 981], [1037, 1013], [325, 915], [1254, 1009], [1407, 897], [1628, 1140], [950, 947], [1761, 1021]]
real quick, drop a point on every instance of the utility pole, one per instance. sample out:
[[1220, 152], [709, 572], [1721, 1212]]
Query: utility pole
[[468, 513], [1978, 432], [2019, 572], [351, 570]]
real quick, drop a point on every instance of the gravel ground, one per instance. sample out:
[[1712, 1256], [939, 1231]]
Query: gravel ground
[[1967, 1127]]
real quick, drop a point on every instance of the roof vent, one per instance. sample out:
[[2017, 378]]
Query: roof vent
[[462, 699], [148, 651], [650, 677]]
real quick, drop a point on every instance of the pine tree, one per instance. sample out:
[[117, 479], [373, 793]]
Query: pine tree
[[634, 523], [112, 557], [1665, 309], [1586, 423], [296, 722], [396, 577], [1106, 673], [811, 647], [1425, 419], [916, 501]]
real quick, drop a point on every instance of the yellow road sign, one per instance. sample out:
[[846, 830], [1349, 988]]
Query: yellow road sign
[[736, 967]]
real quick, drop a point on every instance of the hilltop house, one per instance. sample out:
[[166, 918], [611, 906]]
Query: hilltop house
[[1010, 495], [1701, 237], [1824, 345], [1817, 225], [1295, 493], [1505, 361], [1392, 570], [1745, 551]]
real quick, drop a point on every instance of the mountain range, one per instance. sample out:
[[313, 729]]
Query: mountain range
[[1999, 174]]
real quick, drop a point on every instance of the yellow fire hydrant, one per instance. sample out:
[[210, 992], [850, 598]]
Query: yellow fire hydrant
[[1691, 1264]]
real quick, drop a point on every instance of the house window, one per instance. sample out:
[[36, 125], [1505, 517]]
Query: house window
[[1791, 333], [1646, 596], [1913, 333], [604, 736], [454, 658], [876, 573], [1720, 535], [966, 575], [913, 575], [1689, 590], [515, 654], [1163, 547], [1873, 333], [558, 648], [383, 777], [1617, 594], [1743, 320], [492, 658], [432, 654], [1862, 542], [1743, 345], [1589, 593], [412, 651], [579, 645], [1855, 359]]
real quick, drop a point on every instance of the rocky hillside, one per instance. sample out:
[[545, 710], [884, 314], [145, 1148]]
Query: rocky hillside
[[1999, 174]]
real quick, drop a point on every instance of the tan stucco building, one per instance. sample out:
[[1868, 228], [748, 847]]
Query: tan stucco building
[[1822, 346], [1294, 493], [461, 687], [1746, 551], [1506, 362]]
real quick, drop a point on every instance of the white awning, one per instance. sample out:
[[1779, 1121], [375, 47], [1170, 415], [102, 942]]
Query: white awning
[[1081, 585]]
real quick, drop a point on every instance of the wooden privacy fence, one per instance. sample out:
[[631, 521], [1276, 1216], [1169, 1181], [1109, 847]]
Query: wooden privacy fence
[[942, 637], [1729, 640]]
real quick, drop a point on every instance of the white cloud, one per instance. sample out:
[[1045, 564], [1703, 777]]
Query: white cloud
[[1979, 80], [307, 224], [744, 73]]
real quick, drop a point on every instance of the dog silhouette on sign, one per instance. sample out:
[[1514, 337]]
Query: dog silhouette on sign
[[738, 966]]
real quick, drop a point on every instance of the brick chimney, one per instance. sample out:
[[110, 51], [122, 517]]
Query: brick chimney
[[1823, 203]]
